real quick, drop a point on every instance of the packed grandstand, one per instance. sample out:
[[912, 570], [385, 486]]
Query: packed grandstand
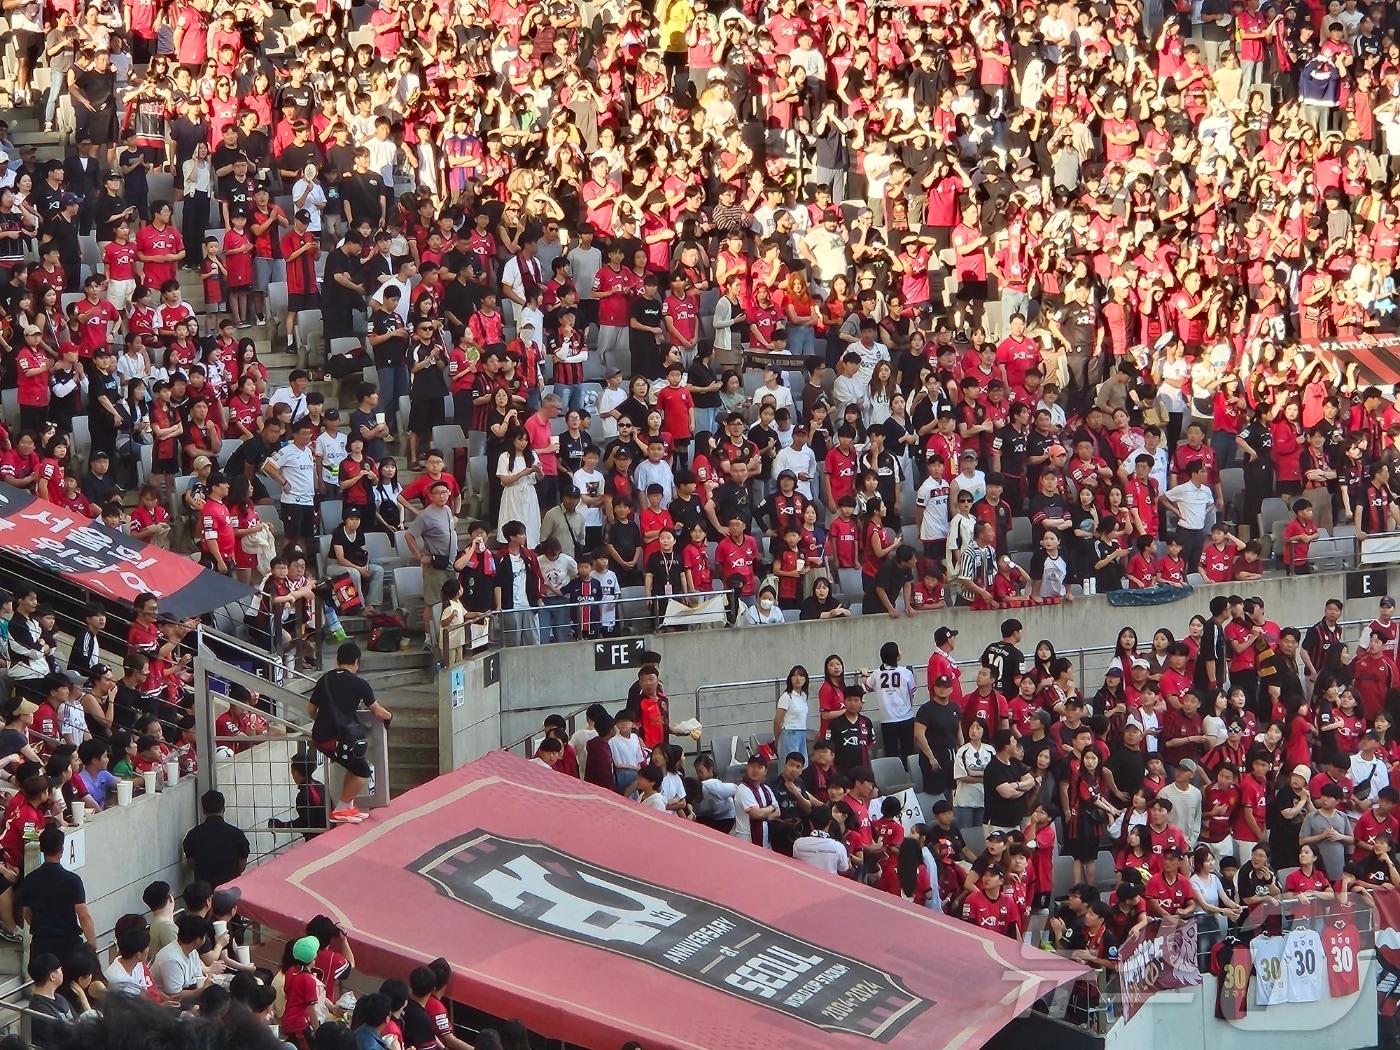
[[490, 325]]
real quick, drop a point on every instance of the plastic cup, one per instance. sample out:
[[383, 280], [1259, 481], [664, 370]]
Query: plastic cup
[[79, 814], [124, 792], [172, 772], [220, 927], [152, 781], [243, 954]]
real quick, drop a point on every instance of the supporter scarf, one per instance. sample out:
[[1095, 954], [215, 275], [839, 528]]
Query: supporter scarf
[[765, 798]]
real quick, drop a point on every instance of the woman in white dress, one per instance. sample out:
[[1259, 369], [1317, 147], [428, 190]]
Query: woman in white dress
[[519, 472]]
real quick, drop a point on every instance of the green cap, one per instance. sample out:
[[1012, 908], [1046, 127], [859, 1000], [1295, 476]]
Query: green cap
[[305, 949]]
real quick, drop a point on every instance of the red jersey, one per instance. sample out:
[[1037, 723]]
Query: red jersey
[[1171, 896], [215, 525], [999, 914], [1341, 944]]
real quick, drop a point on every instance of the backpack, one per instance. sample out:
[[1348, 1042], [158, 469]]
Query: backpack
[[386, 632]]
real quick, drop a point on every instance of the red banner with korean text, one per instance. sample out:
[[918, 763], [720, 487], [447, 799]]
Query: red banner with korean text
[[1160, 957], [109, 564], [1386, 916]]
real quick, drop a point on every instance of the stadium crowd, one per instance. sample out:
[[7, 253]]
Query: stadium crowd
[[1227, 775], [972, 305]]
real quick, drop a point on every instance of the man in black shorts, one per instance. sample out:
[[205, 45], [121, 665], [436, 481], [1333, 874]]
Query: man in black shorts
[[335, 705]]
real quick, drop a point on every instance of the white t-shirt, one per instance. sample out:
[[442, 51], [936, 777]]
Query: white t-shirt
[[821, 851], [794, 708], [609, 399], [933, 498], [298, 467], [590, 483], [895, 686], [331, 449], [1267, 955], [627, 751], [118, 980], [1303, 965], [174, 969], [966, 760]]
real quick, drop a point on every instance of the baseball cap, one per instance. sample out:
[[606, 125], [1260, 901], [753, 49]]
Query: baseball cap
[[1188, 764], [69, 198], [200, 462], [1140, 662], [832, 215], [33, 329], [942, 806], [1000, 836], [114, 174], [1114, 672], [1387, 600], [943, 680], [967, 453], [1056, 450], [302, 215], [304, 950], [613, 372], [1301, 770], [943, 634], [26, 707]]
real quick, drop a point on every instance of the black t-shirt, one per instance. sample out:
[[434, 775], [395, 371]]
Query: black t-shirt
[[252, 453], [733, 501], [354, 550], [339, 262], [666, 572], [624, 537], [238, 194], [52, 892], [941, 725], [97, 87], [216, 849], [338, 697], [12, 741], [255, 144], [187, 135], [1251, 883], [891, 578], [648, 312], [1003, 812], [364, 192], [851, 742], [391, 352], [295, 158], [99, 488], [1005, 661], [110, 387], [419, 1032]]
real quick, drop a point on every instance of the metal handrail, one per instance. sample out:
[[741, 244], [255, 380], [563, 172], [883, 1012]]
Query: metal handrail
[[248, 649], [619, 604], [1351, 627], [570, 723]]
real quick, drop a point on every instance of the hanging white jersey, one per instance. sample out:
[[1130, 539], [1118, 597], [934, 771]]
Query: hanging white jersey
[[895, 687], [1303, 965], [1267, 954]]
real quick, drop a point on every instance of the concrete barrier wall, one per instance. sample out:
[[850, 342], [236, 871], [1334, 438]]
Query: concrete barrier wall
[[469, 711], [128, 847], [1171, 1020], [561, 677]]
